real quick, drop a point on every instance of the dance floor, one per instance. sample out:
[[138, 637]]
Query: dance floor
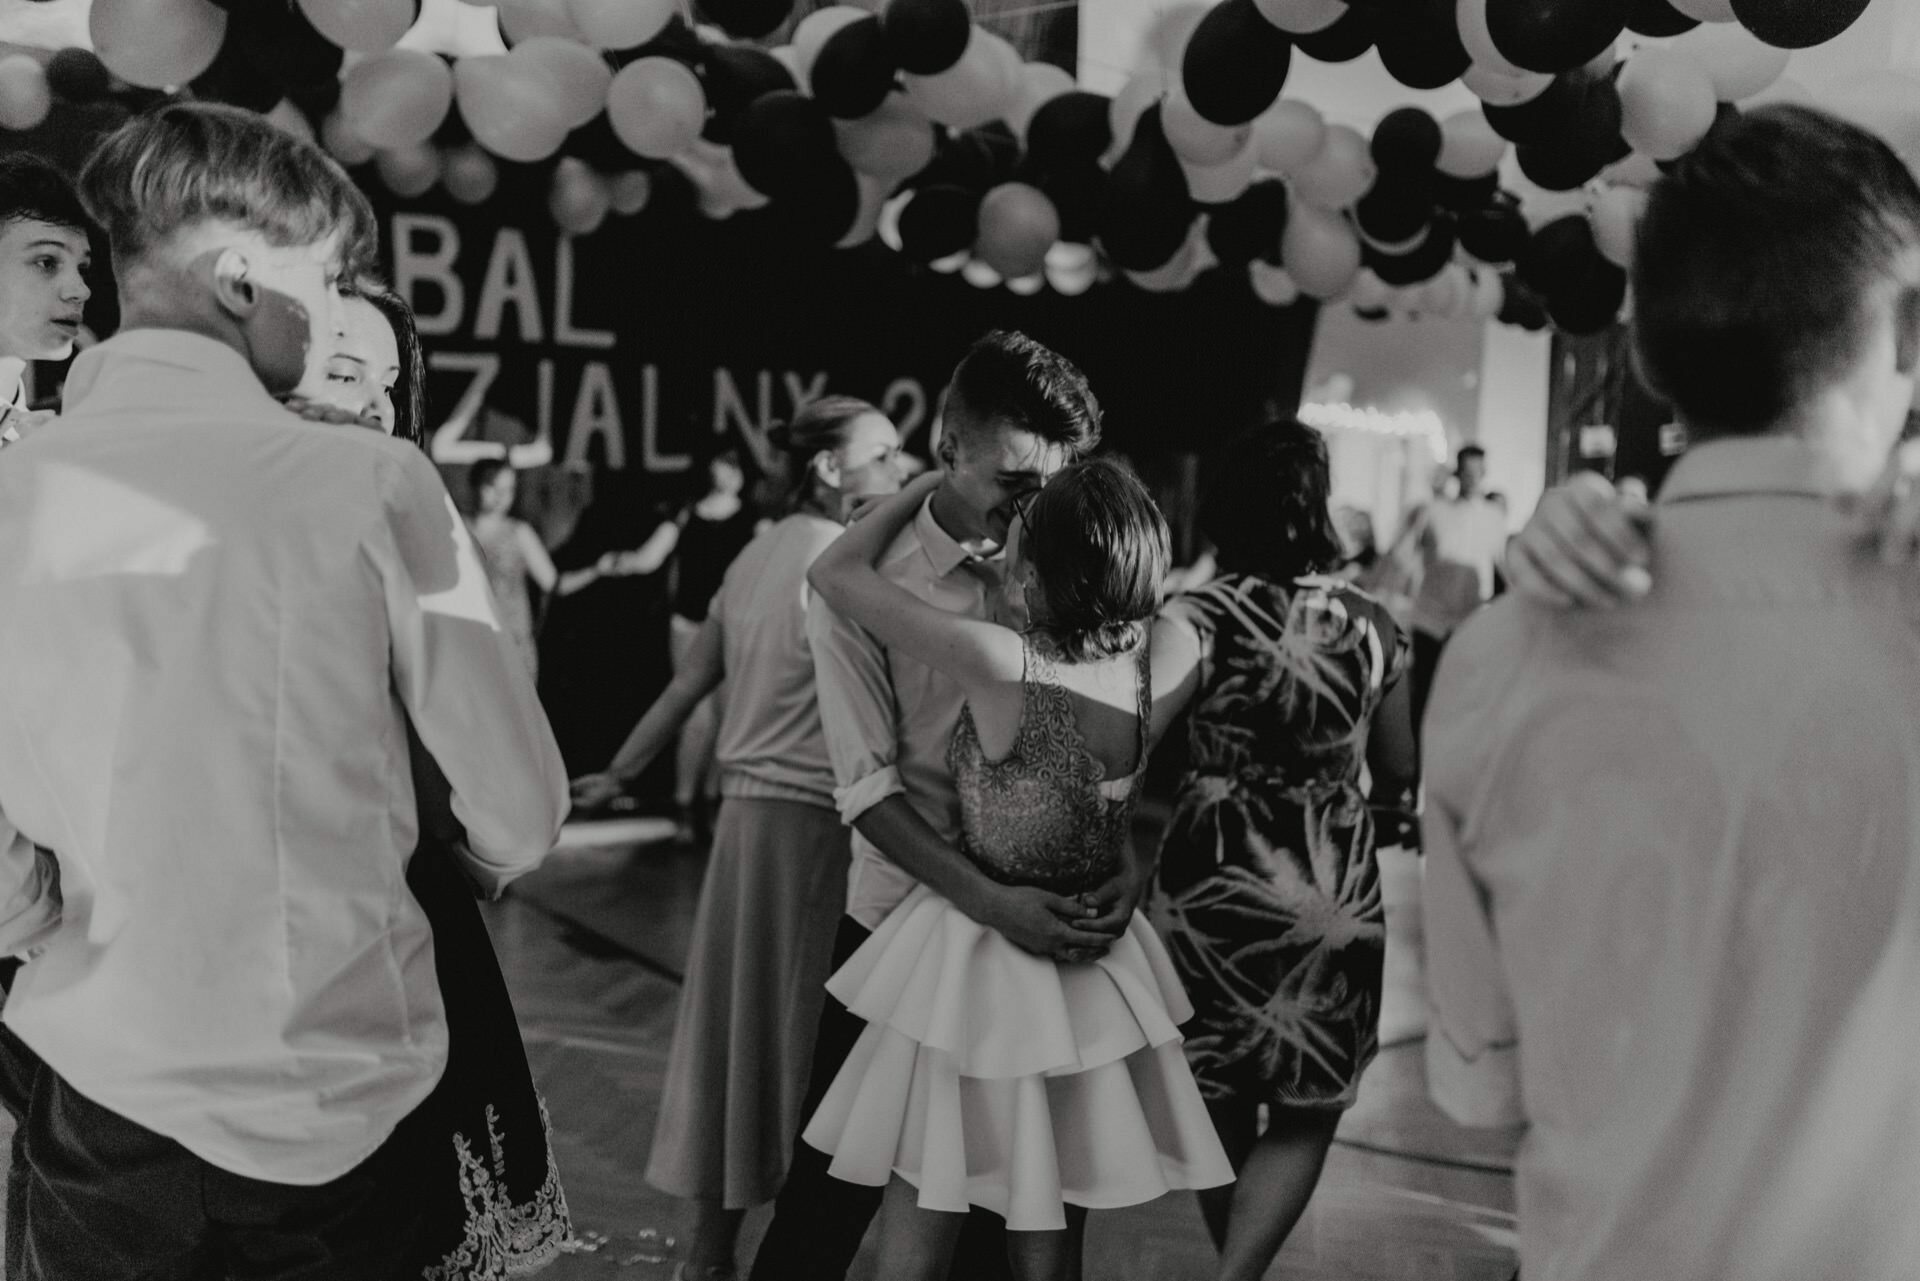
[[593, 946]]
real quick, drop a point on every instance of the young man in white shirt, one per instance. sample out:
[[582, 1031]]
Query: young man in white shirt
[[216, 624], [44, 259], [1673, 849]]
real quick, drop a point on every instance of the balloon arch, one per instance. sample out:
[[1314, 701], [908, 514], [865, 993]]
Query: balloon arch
[[916, 125]]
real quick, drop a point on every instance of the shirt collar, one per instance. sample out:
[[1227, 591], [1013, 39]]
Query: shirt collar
[[122, 364], [943, 550], [1760, 465]]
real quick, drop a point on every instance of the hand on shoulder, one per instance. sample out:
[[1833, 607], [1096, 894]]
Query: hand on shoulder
[[1587, 546]]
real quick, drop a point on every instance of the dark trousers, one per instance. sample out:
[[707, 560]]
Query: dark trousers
[[1427, 649], [819, 1221], [107, 1200]]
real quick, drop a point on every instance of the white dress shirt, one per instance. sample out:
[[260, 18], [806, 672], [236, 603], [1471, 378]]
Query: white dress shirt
[[215, 620], [1673, 896], [889, 717]]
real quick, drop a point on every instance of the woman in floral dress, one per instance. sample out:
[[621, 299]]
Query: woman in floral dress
[[1267, 891]]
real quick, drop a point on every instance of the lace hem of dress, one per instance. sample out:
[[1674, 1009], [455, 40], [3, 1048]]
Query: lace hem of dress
[[504, 1239]]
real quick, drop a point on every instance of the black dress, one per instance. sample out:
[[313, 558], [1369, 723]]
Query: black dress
[[705, 550]]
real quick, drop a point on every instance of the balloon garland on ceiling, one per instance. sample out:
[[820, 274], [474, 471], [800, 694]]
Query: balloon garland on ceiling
[[918, 126]]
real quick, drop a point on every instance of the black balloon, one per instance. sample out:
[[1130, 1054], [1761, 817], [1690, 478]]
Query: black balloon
[[269, 52], [1235, 64], [1588, 300], [1558, 254], [1350, 36], [1464, 195], [733, 76], [1073, 127], [1550, 115], [927, 36], [749, 19], [820, 209], [1554, 167], [1554, 35], [1420, 44], [1406, 141], [939, 222], [1079, 195], [780, 139], [594, 142], [1798, 24], [979, 159], [1497, 233], [1658, 18], [78, 75], [854, 70], [1149, 209], [1395, 209], [1421, 263], [1520, 306], [1250, 226]]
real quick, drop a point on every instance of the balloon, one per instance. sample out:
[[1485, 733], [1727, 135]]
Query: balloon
[[78, 75], [1471, 18], [1144, 89], [1235, 63], [1733, 58], [1706, 10], [1368, 291], [1338, 176], [735, 76], [1288, 136], [1017, 225], [620, 24], [747, 19], [1407, 140], [1218, 184], [1079, 193], [927, 36], [409, 172], [524, 19], [630, 192], [1658, 18], [1469, 148], [342, 143], [892, 144], [1554, 35], [1420, 45], [866, 223], [1196, 140], [1497, 233], [1552, 115], [397, 98], [1272, 285], [824, 209], [1557, 253], [1615, 216], [510, 109], [1798, 24], [981, 275], [1027, 286], [1073, 279], [1250, 226], [854, 72], [289, 119], [1319, 251], [1165, 42], [578, 198], [469, 175], [364, 26], [975, 90], [1071, 128], [1395, 211], [1041, 83], [25, 98], [1302, 17], [811, 36], [1666, 103], [1590, 301], [1497, 89], [578, 77], [1559, 168], [1345, 40], [1637, 170], [1148, 210], [1179, 271], [156, 44], [780, 141], [938, 222], [1487, 295], [1446, 293], [657, 107], [1464, 195], [1427, 259]]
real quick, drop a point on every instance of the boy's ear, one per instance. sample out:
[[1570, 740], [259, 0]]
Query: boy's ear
[[233, 285]]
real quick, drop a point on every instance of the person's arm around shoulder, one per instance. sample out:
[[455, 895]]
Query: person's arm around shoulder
[[701, 674], [460, 680], [1587, 546]]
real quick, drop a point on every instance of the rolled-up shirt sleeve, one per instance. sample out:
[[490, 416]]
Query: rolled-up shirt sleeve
[[29, 892], [457, 673], [856, 710], [1473, 1052]]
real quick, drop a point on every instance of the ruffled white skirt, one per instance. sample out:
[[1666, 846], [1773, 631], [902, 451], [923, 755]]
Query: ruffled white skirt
[[991, 1077]]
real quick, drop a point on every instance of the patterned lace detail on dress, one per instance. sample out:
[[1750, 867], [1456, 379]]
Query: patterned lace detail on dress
[[1045, 814], [504, 1239]]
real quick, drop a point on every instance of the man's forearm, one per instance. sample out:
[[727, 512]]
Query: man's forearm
[[898, 831]]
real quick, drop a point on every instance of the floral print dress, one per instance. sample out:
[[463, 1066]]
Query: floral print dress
[[1268, 895]]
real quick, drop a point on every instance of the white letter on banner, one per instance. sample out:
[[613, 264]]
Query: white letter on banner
[[411, 267]]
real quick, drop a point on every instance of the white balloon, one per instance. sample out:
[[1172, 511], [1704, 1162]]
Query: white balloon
[[1194, 138], [866, 223], [1140, 92], [1288, 134], [1707, 10], [1737, 61], [631, 192], [1217, 184], [1027, 286], [409, 171], [1470, 16], [156, 44], [1666, 103], [1489, 295], [469, 175], [579, 76], [579, 198], [397, 97], [980, 275], [25, 98], [1616, 213], [1040, 83], [1369, 291], [342, 143], [1496, 88], [1637, 170], [523, 19], [814, 31], [1301, 17], [1342, 173], [1075, 279], [1272, 285], [620, 24], [972, 92], [289, 119], [1319, 250], [1469, 147]]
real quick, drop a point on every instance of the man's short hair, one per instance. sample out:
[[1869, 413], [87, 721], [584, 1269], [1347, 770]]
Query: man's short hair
[[1007, 377], [1756, 262], [196, 162], [33, 190], [1469, 451]]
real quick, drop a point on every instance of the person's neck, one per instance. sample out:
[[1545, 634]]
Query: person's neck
[[1841, 448], [961, 523], [147, 315]]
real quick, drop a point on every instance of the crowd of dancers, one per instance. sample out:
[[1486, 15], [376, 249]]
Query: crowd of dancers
[[267, 720]]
